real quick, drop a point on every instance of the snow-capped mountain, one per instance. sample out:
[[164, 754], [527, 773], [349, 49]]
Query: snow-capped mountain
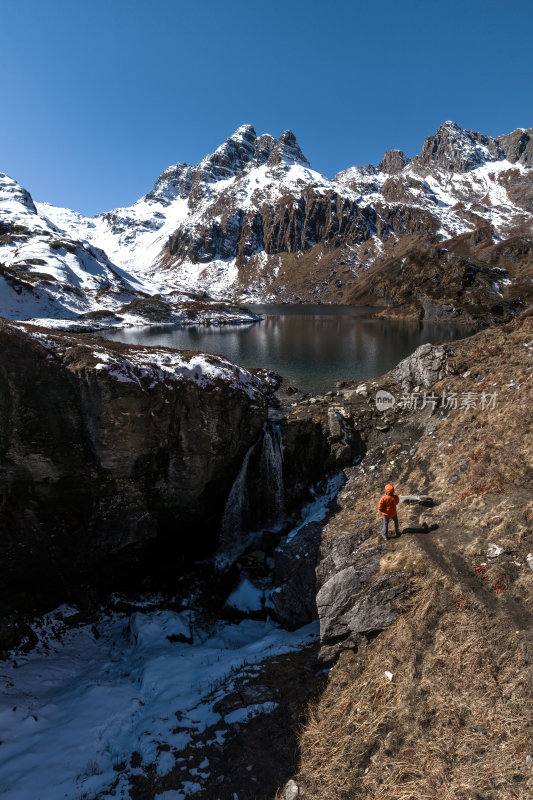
[[253, 221], [185, 200], [54, 272]]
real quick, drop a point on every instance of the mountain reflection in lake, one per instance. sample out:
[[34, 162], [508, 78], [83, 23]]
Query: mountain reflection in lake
[[311, 346]]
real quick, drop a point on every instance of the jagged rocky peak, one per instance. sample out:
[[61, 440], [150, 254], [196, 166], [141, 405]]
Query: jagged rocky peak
[[241, 151], [287, 151], [453, 149], [232, 156], [393, 162]]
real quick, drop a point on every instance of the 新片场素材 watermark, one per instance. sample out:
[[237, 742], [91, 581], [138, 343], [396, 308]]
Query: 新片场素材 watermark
[[411, 401]]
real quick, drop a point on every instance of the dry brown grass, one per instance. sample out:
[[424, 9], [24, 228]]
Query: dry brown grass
[[452, 724], [456, 721]]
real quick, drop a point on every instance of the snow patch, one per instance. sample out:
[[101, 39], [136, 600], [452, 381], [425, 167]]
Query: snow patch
[[78, 704]]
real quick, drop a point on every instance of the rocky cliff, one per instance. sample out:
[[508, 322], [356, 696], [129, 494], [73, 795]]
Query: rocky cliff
[[103, 447]]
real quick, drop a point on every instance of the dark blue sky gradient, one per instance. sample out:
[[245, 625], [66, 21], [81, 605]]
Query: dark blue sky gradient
[[99, 96]]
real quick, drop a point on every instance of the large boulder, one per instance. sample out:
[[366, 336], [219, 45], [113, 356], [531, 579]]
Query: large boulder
[[427, 365], [353, 600]]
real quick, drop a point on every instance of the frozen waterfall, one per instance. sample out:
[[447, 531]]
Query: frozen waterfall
[[256, 499], [271, 476]]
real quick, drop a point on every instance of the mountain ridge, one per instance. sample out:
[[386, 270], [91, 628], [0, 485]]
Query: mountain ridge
[[254, 221]]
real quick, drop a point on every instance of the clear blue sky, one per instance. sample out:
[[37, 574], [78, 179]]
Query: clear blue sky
[[99, 96]]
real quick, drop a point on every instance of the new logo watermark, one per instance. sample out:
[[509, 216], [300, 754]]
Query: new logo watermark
[[384, 400]]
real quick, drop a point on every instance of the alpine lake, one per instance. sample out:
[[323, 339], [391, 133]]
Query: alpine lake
[[311, 346]]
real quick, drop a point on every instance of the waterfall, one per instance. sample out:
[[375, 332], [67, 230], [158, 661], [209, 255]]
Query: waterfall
[[237, 510], [271, 476], [256, 499]]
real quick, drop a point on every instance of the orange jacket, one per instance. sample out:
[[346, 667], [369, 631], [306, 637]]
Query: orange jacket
[[387, 505]]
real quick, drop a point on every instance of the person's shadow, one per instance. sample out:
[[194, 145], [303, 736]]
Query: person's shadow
[[425, 528]]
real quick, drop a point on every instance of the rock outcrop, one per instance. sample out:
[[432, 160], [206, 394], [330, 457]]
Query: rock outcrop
[[354, 603], [393, 162], [427, 365], [459, 282], [294, 599], [104, 446], [453, 149]]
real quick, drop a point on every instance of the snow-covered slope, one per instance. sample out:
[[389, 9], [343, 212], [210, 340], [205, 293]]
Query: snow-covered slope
[[52, 270], [45, 271], [87, 697], [253, 220]]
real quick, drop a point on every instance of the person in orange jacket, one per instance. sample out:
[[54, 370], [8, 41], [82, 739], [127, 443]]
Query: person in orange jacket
[[387, 506]]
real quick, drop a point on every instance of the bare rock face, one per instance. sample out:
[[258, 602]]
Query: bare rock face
[[263, 147], [456, 150], [104, 446], [294, 599], [453, 149], [290, 226], [407, 189], [393, 162], [231, 157], [518, 146], [353, 600]]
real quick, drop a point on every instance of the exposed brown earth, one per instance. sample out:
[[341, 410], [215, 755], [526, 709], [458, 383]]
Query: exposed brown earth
[[468, 279]]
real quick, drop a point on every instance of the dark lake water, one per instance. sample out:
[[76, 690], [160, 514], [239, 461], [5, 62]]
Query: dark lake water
[[311, 346]]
